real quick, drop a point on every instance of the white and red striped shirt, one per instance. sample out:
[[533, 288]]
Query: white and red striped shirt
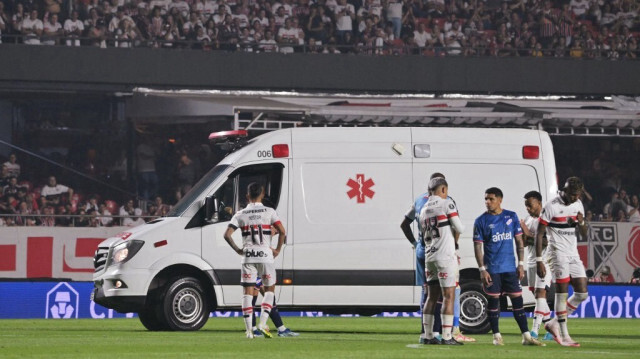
[[560, 219], [255, 222], [438, 218]]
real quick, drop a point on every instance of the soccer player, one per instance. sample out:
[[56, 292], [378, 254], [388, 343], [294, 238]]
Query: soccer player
[[438, 219], [542, 313], [255, 221], [494, 232], [274, 314], [410, 216], [559, 220]]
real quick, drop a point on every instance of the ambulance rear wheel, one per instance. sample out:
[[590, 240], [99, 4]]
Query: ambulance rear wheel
[[474, 308], [185, 306]]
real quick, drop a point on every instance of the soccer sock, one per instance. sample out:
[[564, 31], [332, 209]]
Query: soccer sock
[[447, 326], [247, 311], [561, 313], [494, 314], [541, 313], [437, 319], [456, 309], [253, 316], [518, 313], [275, 316], [267, 303], [574, 301], [427, 323], [423, 300]]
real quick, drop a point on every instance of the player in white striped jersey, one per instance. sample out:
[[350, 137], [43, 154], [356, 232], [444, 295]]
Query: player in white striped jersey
[[559, 220], [438, 219], [255, 221], [542, 313]]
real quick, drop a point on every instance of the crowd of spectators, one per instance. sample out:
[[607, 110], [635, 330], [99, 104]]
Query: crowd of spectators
[[612, 182], [536, 28], [26, 203]]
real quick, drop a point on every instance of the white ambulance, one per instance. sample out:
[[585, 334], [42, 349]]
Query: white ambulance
[[341, 194]]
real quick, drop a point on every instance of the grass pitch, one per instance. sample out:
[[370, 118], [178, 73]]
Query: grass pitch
[[333, 337]]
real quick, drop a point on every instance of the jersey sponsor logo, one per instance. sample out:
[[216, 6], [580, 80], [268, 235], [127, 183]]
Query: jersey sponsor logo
[[255, 254], [501, 237], [566, 233], [360, 188], [248, 211]]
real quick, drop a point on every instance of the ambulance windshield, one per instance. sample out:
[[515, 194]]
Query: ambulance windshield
[[197, 190]]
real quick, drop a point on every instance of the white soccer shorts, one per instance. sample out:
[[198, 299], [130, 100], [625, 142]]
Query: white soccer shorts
[[445, 272], [563, 268], [251, 271], [536, 282]]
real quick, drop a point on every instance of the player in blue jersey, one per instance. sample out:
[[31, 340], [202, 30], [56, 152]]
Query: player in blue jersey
[[494, 232]]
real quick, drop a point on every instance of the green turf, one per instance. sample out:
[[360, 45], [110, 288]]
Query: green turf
[[320, 338]]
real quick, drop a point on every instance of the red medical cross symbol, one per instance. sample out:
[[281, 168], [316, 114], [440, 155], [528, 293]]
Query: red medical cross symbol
[[360, 188]]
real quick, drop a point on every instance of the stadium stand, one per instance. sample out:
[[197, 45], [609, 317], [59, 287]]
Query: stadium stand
[[576, 29]]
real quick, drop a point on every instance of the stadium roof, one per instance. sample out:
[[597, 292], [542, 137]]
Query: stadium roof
[[268, 110]]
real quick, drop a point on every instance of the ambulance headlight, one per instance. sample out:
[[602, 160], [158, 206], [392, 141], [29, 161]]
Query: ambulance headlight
[[125, 251]]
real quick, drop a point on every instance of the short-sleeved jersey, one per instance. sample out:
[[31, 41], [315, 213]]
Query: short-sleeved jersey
[[437, 230], [532, 224], [561, 222], [255, 222], [498, 233], [414, 212]]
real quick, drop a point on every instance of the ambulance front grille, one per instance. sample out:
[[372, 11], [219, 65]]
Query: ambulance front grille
[[100, 259]]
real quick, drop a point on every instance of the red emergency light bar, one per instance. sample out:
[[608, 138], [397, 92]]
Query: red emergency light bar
[[227, 135]]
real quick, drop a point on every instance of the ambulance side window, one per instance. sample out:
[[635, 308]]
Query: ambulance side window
[[226, 198], [232, 195]]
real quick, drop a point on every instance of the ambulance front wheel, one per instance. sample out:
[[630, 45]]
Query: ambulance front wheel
[[151, 318], [474, 308], [184, 306]]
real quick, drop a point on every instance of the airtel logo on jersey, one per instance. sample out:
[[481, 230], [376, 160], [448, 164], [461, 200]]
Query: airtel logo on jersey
[[501, 237], [255, 254]]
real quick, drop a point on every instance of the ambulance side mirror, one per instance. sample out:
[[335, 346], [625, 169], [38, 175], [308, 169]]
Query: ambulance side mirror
[[211, 209]]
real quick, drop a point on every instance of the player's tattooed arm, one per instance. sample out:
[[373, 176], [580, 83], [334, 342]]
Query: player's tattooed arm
[[520, 251], [406, 229], [583, 226], [232, 244]]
